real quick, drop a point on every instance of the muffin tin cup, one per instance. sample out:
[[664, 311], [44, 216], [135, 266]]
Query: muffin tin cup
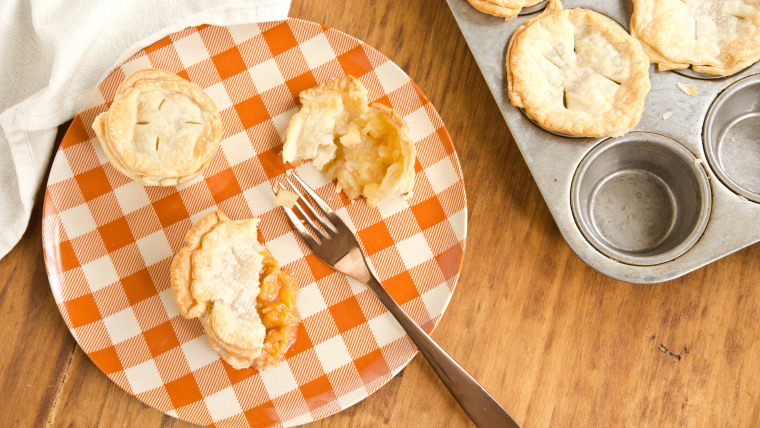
[[691, 213], [642, 199], [732, 137]]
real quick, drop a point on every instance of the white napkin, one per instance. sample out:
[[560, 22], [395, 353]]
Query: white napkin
[[52, 55]]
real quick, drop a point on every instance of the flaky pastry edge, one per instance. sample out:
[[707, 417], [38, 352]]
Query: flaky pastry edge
[[115, 149], [742, 55]]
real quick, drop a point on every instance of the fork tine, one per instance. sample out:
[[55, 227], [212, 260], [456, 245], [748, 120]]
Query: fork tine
[[328, 225], [321, 204]]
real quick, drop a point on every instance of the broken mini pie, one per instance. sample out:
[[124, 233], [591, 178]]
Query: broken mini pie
[[367, 149], [160, 130], [234, 286], [718, 37], [576, 72]]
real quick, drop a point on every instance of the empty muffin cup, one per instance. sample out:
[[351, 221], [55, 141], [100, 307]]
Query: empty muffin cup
[[732, 137], [641, 199]]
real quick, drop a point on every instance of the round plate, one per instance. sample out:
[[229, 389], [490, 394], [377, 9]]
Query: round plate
[[109, 241]]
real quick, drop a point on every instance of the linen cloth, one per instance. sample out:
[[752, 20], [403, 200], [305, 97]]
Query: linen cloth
[[53, 53]]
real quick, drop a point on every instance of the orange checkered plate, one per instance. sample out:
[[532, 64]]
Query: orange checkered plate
[[109, 241]]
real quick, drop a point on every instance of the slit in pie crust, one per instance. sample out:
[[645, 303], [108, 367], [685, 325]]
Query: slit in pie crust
[[233, 285], [504, 8], [160, 130], [576, 72], [718, 37], [367, 149]]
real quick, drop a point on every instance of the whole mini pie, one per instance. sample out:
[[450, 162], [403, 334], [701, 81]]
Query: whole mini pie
[[234, 286], [717, 37], [504, 8], [160, 130], [577, 72], [367, 149]]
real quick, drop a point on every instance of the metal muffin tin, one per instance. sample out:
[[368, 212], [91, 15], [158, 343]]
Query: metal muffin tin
[[678, 192]]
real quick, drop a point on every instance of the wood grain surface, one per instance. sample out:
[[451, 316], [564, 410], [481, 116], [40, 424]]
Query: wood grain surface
[[557, 343]]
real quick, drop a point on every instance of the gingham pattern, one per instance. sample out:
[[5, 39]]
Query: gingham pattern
[[109, 241]]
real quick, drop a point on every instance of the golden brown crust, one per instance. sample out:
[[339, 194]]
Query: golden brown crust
[[160, 130], [348, 89], [181, 267], [577, 72], [235, 357], [719, 37], [506, 9]]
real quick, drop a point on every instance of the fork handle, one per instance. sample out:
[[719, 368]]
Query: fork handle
[[479, 405]]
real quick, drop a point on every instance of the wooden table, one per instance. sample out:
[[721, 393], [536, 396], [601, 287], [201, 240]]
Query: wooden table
[[553, 340]]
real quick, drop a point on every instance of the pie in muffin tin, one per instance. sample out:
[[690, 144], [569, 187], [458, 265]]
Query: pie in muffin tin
[[577, 72], [717, 37]]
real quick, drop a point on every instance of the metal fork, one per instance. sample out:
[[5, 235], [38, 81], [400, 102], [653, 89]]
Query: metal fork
[[337, 246]]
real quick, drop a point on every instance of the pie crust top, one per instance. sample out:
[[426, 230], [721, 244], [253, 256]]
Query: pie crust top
[[504, 8], [160, 130], [224, 277], [367, 149], [577, 72], [718, 37]]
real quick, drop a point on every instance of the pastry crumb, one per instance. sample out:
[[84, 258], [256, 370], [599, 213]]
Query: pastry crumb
[[742, 198], [667, 115], [698, 161], [286, 198], [690, 89]]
